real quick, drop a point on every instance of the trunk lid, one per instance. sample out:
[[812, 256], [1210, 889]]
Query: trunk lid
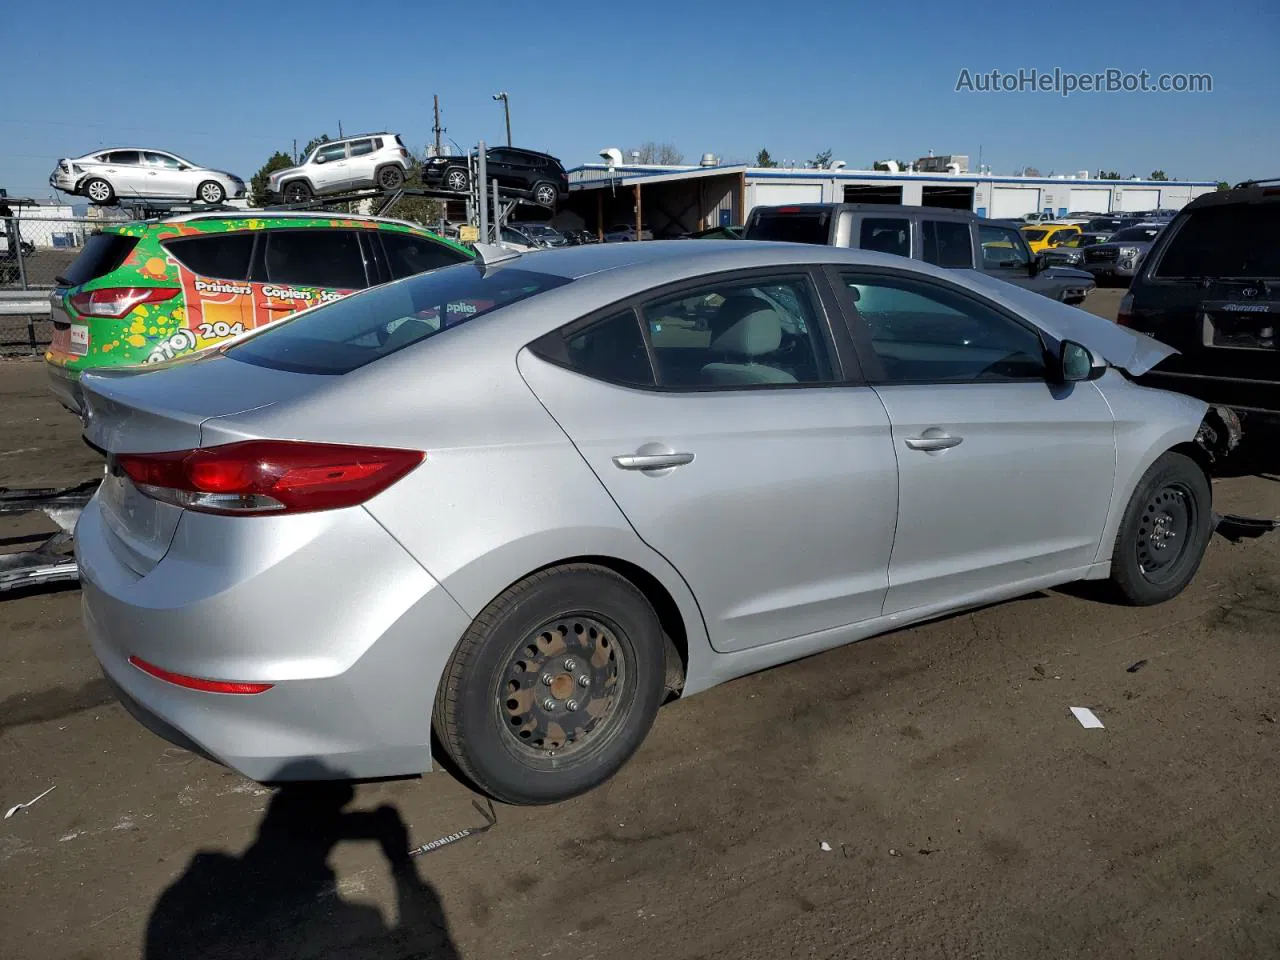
[[159, 408]]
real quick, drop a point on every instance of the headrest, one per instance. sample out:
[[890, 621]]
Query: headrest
[[755, 334]]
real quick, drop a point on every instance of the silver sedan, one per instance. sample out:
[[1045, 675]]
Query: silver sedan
[[525, 500]]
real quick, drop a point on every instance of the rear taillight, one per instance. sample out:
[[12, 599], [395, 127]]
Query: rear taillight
[[116, 302], [1124, 315], [268, 476], [199, 683]]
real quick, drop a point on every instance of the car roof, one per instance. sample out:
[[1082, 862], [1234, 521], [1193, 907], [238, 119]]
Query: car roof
[[268, 214]]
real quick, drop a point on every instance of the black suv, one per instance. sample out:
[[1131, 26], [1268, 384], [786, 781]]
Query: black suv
[[522, 173], [1210, 286]]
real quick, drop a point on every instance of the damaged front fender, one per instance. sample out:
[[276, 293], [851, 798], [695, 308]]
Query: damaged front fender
[[1219, 433]]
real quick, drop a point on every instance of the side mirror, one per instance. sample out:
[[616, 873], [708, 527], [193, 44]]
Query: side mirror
[[1077, 363], [319, 160], [1037, 264]]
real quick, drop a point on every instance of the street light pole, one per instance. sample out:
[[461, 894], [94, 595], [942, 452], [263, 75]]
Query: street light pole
[[506, 109]]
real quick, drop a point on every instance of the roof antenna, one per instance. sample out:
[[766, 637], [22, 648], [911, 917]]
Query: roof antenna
[[490, 256]]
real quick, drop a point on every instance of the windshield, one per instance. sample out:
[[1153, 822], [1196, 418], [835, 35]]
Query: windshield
[[1236, 241], [1140, 234], [349, 333]]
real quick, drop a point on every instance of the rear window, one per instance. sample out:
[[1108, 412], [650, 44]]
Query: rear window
[[1034, 235], [222, 256], [810, 226], [347, 334], [102, 254], [1228, 241], [409, 254]]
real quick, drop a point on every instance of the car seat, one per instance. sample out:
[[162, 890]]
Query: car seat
[[746, 328]]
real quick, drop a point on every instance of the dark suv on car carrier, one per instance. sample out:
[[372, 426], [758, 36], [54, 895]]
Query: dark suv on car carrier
[[1210, 286]]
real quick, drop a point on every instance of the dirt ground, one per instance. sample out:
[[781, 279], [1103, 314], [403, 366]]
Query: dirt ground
[[968, 814]]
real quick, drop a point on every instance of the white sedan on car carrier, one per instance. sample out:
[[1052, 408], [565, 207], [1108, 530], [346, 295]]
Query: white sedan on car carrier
[[105, 176]]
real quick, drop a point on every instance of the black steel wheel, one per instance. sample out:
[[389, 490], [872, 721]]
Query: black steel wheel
[[554, 685], [297, 191], [1164, 532]]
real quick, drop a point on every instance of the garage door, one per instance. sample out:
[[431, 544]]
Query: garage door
[[1139, 199], [1010, 203], [776, 194], [1092, 199]]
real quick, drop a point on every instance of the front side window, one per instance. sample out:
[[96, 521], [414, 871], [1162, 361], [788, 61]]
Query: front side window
[[357, 330], [947, 243], [924, 333], [220, 256], [886, 235], [315, 258], [330, 152], [738, 334], [161, 160], [1001, 248]]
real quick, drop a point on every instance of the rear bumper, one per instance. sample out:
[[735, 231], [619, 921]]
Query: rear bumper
[[65, 385], [351, 631]]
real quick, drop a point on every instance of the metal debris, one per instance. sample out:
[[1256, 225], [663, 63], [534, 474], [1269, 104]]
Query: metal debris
[[491, 820]]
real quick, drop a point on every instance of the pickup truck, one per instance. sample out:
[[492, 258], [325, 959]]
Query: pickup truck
[[947, 238]]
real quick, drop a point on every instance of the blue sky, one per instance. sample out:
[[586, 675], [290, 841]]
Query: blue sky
[[869, 82]]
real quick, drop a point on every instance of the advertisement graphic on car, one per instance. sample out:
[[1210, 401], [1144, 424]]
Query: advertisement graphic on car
[[145, 293]]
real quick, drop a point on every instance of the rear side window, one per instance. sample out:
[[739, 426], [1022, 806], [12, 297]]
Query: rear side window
[[315, 258], [361, 148], [1228, 241], [126, 157], [886, 235], [799, 227], [947, 243], [102, 254], [222, 256], [408, 254], [349, 333], [612, 350]]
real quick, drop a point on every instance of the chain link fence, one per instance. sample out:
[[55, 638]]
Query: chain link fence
[[35, 249]]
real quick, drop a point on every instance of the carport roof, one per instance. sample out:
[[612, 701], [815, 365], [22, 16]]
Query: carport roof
[[658, 177]]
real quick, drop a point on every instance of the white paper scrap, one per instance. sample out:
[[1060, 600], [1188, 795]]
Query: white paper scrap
[[825, 847], [22, 806], [1088, 719]]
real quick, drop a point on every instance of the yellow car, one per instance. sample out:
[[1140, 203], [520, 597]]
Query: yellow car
[[1040, 236]]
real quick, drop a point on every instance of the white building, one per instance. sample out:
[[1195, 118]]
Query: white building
[[689, 198]]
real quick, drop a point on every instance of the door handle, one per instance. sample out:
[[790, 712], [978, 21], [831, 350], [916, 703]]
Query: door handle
[[652, 461], [931, 444]]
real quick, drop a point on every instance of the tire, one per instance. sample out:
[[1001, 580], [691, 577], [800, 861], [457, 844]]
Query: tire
[[390, 177], [456, 179], [559, 625], [544, 194], [1164, 532], [99, 191], [296, 191], [210, 191]]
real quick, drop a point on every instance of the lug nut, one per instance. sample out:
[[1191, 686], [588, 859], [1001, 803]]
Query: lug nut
[[584, 681], [548, 704], [572, 705], [546, 679], [570, 666]]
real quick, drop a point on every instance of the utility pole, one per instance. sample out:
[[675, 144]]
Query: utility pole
[[295, 149], [437, 128], [506, 109], [339, 129]]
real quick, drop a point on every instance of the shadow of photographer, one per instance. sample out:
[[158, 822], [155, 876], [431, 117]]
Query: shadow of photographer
[[279, 899]]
